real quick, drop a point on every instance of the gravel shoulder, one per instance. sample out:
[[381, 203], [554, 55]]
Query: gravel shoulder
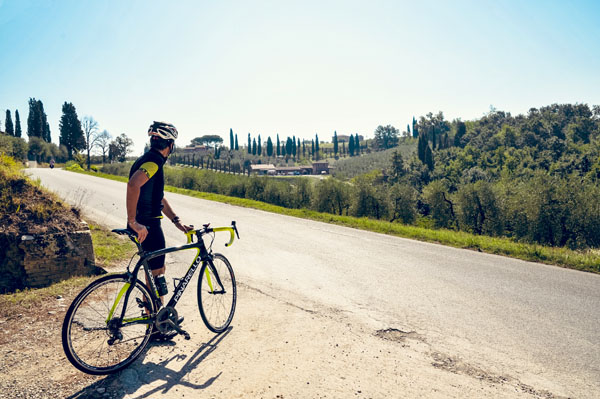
[[274, 349]]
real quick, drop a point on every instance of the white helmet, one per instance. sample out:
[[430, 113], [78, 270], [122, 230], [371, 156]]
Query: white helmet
[[163, 130]]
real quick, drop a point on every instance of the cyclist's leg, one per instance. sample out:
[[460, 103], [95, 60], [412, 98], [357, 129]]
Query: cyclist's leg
[[153, 242]]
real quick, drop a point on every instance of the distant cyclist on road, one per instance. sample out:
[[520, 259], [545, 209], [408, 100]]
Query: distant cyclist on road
[[145, 195]]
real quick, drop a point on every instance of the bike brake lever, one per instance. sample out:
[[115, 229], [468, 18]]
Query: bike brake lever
[[235, 229]]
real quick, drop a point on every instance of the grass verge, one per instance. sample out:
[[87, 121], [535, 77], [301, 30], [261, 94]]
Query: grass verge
[[110, 248], [588, 261]]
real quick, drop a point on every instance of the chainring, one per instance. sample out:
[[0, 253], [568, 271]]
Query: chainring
[[164, 318]]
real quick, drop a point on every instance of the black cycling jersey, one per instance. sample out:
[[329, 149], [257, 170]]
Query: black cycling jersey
[[149, 204]]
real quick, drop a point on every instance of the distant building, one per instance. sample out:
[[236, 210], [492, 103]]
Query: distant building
[[294, 170], [319, 167], [263, 169]]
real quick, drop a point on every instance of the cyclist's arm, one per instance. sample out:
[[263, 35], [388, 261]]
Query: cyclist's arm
[[138, 179], [168, 211]]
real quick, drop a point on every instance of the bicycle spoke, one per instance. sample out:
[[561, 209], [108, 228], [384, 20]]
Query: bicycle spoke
[[217, 307], [94, 346]]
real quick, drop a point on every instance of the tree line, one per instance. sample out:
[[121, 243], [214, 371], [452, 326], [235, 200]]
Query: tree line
[[291, 148], [532, 177], [75, 136]]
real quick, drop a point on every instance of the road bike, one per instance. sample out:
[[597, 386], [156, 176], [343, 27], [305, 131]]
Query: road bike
[[110, 322]]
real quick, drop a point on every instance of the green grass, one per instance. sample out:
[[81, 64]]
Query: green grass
[[30, 297], [588, 261], [110, 248]]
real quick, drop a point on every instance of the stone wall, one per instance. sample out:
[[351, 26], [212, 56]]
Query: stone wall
[[42, 259]]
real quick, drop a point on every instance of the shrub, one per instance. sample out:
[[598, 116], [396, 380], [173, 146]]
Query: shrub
[[331, 196], [73, 167]]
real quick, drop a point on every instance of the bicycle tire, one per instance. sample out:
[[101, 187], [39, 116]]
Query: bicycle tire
[[217, 308], [85, 335]]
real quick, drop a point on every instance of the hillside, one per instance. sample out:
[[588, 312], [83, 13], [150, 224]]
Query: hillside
[[350, 167], [27, 209]]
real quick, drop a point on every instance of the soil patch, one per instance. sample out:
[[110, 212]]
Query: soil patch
[[27, 209], [30, 341]]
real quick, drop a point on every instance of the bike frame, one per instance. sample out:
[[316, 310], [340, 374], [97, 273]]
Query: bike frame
[[203, 255]]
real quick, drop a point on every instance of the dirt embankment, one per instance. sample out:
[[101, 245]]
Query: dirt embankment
[[27, 209]]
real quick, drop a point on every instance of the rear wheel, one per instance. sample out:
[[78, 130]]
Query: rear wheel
[[217, 293], [95, 338]]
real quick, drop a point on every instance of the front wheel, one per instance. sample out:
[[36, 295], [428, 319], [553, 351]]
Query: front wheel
[[217, 293], [96, 337]]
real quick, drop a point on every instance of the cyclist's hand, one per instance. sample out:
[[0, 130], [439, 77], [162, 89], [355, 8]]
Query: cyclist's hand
[[183, 228], [140, 229]]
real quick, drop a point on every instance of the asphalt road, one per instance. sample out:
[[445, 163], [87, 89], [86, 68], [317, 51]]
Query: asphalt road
[[535, 321]]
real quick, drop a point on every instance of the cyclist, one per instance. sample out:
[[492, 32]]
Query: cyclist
[[145, 197]]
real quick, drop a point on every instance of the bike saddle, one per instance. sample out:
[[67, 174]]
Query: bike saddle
[[127, 232]]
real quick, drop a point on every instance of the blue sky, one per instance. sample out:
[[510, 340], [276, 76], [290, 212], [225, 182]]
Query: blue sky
[[293, 67]]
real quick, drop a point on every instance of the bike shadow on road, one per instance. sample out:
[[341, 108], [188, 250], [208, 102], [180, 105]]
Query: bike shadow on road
[[126, 382]]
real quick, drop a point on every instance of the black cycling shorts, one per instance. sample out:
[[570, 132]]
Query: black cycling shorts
[[154, 241]]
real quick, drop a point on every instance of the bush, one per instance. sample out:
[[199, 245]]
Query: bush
[[73, 166], [478, 209], [435, 194], [14, 147], [369, 196], [403, 203], [331, 196]]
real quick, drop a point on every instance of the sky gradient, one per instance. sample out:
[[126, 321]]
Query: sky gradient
[[293, 67]]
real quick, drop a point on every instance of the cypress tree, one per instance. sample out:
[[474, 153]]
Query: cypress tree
[[408, 130], [237, 148], [429, 157], [8, 124], [249, 144], [71, 133], [397, 169], [312, 153], [269, 147], [335, 143], [253, 146], [17, 124], [303, 148], [461, 130], [317, 145], [231, 145], [415, 128], [351, 145], [47, 136], [278, 146], [294, 149], [289, 147], [259, 150], [421, 148], [44, 121], [356, 145], [34, 120], [298, 148]]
